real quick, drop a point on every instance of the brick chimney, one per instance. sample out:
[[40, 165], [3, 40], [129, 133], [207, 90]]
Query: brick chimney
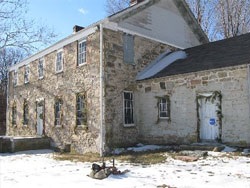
[[134, 2], [77, 28]]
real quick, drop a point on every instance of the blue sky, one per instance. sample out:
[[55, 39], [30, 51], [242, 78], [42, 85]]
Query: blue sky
[[62, 15]]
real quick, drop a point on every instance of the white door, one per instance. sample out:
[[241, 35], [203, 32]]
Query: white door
[[40, 117], [209, 116]]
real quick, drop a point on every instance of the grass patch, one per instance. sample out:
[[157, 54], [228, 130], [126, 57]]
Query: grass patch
[[137, 158], [88, 157]]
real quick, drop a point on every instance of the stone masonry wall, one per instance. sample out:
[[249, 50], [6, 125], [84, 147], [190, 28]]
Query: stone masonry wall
[[65, 85], [120, 77], [182, 90]]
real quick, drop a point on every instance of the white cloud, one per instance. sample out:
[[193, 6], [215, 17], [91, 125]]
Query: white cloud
[[83, 11]]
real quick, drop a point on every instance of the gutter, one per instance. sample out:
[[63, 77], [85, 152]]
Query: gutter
[[102, 99]]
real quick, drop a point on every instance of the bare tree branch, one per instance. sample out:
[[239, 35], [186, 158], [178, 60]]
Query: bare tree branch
[[19, 36], [113, 6]]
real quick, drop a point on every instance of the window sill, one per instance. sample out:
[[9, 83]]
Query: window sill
[[58, 126], [82, 127], [128, 125], [126, 63], [41, 78], [81, 65], [59, 72], [164, 118]]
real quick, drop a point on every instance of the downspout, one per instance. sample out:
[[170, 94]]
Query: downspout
[[248, 86], [102, 99]]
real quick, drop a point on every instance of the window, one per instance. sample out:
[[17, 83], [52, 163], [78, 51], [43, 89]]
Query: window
[[81, 52], [26, 74], [80, 110], [25, 113], [15, 78], [40, 68], [128, 49], [164, 107], [58, 112], [59, 61], [14, 114], [128, 108]]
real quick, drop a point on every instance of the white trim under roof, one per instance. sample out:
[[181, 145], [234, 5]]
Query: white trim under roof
[[160, 63], [72, 38], [114, 26]]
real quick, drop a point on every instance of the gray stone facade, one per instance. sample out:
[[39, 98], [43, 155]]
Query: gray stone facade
[[65, 85], [183, 124], [117, 49], [118, 77]]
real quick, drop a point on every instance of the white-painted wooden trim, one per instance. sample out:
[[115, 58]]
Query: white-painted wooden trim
[[114, 26], [59, 51], [123, 115], [43, 60], [56, 46]]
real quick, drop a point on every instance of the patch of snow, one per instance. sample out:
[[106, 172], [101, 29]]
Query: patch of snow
[[160, 63], [118, 151], [145, 148], [246, 152], [138, 148], [38, 169], [228, 149]]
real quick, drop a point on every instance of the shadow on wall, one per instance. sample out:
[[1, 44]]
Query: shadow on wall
[[3, 104]]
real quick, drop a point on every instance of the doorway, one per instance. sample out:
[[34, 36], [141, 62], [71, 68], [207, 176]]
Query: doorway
[[40, 118], [209, 116]]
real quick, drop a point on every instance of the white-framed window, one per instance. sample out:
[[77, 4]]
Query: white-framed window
[[58, 112], [82, 46], [128, 108], [80, 110], [26, 74], [41, 68], [164, 107], [15, 78], [59, 61]]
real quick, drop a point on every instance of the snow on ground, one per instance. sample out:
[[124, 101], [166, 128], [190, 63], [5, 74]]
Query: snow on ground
[[38, 169]]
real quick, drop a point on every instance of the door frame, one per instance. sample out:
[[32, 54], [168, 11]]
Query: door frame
[[211, 95], [42, 102]]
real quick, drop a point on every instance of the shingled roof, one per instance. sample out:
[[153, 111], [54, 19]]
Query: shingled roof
[[224, 53]]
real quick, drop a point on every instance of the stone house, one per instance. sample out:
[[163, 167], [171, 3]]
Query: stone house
[[201, 95], [82, 91]]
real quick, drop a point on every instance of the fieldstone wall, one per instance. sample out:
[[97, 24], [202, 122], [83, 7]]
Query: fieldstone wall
[[65, 85], [120, 77], [182, 126], [3, 103]]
